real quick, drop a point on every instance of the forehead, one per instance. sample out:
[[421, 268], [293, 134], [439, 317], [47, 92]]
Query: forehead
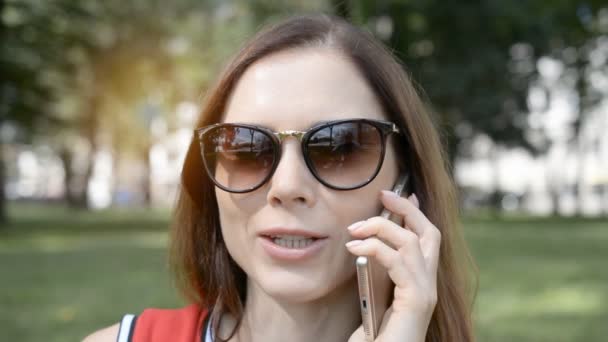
[[296, 88]]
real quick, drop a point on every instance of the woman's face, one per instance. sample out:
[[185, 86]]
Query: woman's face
[[292, 90]]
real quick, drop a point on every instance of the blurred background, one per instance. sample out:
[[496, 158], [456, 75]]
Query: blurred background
[[98, 101]]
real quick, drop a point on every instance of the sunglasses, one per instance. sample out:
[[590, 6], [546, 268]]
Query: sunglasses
[[341, 154]]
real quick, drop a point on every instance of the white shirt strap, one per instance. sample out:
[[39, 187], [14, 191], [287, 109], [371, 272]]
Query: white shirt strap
[[208, 335], [125, 328]]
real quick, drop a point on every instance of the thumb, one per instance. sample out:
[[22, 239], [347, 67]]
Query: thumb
[[358, 335]]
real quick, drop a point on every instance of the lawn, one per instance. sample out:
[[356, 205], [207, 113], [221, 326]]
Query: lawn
[[541, 279], [66, 273]]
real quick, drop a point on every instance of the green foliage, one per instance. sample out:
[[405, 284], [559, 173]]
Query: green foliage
[[477, 60], [31, 60]]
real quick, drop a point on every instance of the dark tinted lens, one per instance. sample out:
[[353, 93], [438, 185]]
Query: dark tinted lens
[[237, 157], [346, 154]]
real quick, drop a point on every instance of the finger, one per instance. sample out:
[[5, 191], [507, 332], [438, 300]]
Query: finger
[[430, 251], [358, 335], [405, 207], [415, 200], [392, 260], [430, 236], [386, 230]]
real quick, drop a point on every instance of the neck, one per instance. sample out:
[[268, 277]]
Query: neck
[[331, 318]]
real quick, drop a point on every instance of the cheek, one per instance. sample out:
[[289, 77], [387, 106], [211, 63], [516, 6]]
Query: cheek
[[233, 223], [356, 207], [363, 203]]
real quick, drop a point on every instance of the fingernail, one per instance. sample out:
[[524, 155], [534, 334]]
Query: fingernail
[[389, 193], [355, 225], [353, 243], [415, 201]]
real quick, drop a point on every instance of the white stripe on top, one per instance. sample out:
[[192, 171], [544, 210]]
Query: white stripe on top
[[127, 320], [125, 328], [208, 337]]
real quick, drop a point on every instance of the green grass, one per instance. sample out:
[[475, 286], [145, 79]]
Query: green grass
[[541, 279], [66, 273]]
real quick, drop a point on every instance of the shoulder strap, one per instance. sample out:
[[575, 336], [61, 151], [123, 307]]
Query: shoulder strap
[[207, 336], [126, 328], [178, 325]]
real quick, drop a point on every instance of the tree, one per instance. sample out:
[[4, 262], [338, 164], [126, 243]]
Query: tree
[[31, 65], [478, 60]]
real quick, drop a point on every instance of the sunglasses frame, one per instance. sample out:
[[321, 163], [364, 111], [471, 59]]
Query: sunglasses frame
[[385, 128]]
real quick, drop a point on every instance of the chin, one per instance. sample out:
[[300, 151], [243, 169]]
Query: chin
[[290, 286]]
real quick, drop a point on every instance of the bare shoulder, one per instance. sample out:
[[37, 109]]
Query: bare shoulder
[[108, 334]]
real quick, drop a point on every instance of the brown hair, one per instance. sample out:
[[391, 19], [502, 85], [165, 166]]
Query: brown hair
[[204, 270]]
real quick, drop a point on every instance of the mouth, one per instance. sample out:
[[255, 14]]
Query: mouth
[[292, 245], [291, 241]]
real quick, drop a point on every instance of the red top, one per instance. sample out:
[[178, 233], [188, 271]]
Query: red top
[[178, 325]]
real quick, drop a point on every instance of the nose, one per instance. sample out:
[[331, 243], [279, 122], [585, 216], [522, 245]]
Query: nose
[[292, 184]]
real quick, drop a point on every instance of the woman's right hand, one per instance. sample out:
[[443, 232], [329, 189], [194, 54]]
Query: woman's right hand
[[411, 258]]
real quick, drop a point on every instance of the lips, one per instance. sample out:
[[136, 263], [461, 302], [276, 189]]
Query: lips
[[290, 233], [288, 244]]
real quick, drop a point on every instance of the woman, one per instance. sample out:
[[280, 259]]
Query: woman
[[307, 125]]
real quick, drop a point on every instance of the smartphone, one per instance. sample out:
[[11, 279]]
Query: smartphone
[[375, 285]]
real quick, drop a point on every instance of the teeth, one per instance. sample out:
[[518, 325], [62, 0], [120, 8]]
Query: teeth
[[289, 237], [293, 243]]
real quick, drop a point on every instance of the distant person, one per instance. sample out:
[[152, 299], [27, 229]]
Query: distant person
[[307, 124]]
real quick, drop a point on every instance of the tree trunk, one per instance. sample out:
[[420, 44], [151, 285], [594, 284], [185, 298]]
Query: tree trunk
[[554, 194], [3, 215], [146, 186], [581, 187], [604, 200], [90, 126], [66, 160], [579, 139], [497, 193]]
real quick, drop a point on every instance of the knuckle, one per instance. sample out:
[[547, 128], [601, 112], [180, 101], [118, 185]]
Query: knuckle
[[437, 234], [374, 223], [410, 237], [395, 259], [375, 219], [374, 243]]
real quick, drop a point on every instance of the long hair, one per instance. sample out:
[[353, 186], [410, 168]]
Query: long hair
[[204, 271]]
